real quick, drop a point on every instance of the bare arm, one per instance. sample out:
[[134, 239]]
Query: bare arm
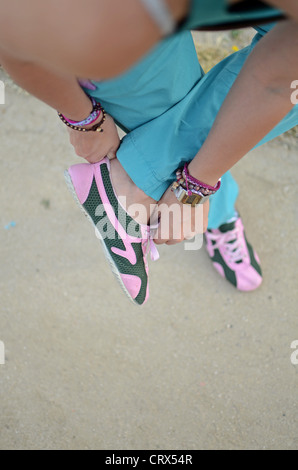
[[73, 35], [59, 90], [289, 6], [62, 92], [257, 102], [85, 38]]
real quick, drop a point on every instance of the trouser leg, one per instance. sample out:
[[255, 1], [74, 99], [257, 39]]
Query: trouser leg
[[179, 104]]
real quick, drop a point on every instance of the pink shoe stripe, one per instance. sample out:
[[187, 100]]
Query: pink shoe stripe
[[82, 178], [132, 284], [129, 252]]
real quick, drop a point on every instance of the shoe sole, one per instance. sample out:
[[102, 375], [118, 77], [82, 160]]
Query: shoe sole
[[98, 234]]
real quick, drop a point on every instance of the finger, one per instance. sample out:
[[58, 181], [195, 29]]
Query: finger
[[111, 155], [158, 240], [174, 242], [94, 159], [206, 214], [164, 235], [190, 237], [155, 217]]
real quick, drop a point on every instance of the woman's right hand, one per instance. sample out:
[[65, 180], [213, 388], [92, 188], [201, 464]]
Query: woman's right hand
[[95, 146]]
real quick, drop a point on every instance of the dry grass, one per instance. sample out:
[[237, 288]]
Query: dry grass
[[209, 56]]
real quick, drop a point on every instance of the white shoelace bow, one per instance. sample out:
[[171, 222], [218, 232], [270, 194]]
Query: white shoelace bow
[[231, 242], [149, 243]]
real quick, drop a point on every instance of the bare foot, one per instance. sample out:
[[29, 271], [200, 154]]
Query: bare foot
[[138, 205]]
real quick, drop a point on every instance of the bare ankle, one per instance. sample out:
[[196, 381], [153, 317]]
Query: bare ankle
[[138, 204]]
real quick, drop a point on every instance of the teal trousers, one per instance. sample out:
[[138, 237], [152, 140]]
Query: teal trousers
[[168, 105]]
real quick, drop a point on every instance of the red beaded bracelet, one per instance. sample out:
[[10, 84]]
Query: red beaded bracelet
[[193, 185], [196, 182], [95, 128]]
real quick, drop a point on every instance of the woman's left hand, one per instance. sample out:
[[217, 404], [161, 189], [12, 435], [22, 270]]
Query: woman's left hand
[[179, 222]]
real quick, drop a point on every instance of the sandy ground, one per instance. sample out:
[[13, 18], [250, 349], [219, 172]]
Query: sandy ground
[[202, 366]]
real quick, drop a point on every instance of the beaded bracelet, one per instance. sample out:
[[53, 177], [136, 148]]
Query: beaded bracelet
[[93, 116], [196, 182], [95, 128], [97, 109], [192, 185]]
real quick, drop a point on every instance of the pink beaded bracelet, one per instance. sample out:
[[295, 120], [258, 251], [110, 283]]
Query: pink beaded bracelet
[[95, 128], [196, 182], [193, 185], [93, 116]]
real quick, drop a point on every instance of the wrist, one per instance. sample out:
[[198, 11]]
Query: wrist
[[93, 118], [93, 123], [89, 126], [79, 114], [190, 190], [201, 173]]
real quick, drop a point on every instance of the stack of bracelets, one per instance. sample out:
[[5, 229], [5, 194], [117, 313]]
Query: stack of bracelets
[[97, 110], [192, 185]]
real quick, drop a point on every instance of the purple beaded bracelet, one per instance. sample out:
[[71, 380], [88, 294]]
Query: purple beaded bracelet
[[192, 185], [95, 128], [93, 116], [196, 182]]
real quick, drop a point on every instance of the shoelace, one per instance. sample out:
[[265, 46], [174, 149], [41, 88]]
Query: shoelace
[[231, 241], [149, 244]]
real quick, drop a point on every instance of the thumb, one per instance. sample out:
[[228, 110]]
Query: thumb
[[111, 155]]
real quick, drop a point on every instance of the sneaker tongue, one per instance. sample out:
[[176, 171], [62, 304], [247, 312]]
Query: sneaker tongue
[[227, 227]]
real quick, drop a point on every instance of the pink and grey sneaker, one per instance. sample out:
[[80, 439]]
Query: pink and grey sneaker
[[125, 242], [233, 256]]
